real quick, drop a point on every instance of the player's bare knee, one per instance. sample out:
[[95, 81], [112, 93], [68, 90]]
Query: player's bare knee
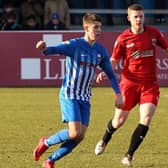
[[76, 135], [118, 122], [146, 120], [80, 138]]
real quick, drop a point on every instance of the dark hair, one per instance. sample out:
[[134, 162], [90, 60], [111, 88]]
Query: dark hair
[[11, 15], [91, 17], [136, 7]]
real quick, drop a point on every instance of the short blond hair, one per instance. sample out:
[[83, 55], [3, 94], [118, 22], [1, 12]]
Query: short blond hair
[[91, 17], [135, 7]]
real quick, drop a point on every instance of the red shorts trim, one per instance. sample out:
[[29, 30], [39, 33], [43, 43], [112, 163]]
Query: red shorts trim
[[139, 93]]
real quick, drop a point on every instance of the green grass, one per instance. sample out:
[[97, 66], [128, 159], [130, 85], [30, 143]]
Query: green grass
[[26, 114]]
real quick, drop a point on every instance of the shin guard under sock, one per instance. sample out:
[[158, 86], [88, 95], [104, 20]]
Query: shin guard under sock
[[57, 138], [109, 131], [137, 138], [64, 149]]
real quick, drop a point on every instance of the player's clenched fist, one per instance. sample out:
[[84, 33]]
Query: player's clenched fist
[[41, 45]]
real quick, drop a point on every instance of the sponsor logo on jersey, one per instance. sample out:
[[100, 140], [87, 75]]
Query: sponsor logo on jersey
[[147, 53], [143, 53], [135, 54]]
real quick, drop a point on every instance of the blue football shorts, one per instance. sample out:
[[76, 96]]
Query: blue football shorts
[[75, 111]]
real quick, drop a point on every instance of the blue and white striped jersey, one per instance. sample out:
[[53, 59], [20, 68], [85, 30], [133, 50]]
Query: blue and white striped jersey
[[81, 62]]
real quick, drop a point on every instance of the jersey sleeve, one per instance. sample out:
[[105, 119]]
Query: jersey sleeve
[[65, 48], [107, 68], [161, 40], [118, 49]]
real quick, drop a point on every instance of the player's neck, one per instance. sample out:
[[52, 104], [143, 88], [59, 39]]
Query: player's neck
[[91, 42], [137, 31]]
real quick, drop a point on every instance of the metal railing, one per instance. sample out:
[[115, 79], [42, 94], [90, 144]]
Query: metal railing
[[116, 11]]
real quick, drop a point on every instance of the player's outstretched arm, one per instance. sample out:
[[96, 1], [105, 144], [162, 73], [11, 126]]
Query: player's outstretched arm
[[41, 45]]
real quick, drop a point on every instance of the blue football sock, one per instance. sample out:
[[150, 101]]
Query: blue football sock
[[64, 149], [59, 137]]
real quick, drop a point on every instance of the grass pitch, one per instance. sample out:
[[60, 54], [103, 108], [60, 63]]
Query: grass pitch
[[26, 114]]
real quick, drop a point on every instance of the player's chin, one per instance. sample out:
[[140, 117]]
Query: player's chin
[[97, 37], [140, 25]]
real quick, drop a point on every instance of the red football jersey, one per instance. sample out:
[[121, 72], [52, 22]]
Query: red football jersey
[[138, 53]]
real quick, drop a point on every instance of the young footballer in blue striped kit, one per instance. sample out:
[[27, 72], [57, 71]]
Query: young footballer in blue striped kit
[[83, 55]]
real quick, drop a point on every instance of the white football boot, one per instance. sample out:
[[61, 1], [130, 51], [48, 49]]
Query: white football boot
[[100, 147], [127, 161]]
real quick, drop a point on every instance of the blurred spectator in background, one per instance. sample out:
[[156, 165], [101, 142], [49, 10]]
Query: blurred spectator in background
[[55, 23], [32, 7], [10, 16], [59, 6], [10, 22], [9, 6], [43, 9], [31, 23]]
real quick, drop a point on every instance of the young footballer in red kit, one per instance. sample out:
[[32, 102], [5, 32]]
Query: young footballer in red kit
[[136, 47]]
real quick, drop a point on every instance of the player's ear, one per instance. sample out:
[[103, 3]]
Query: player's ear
[[85, 27], [128, 18]]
